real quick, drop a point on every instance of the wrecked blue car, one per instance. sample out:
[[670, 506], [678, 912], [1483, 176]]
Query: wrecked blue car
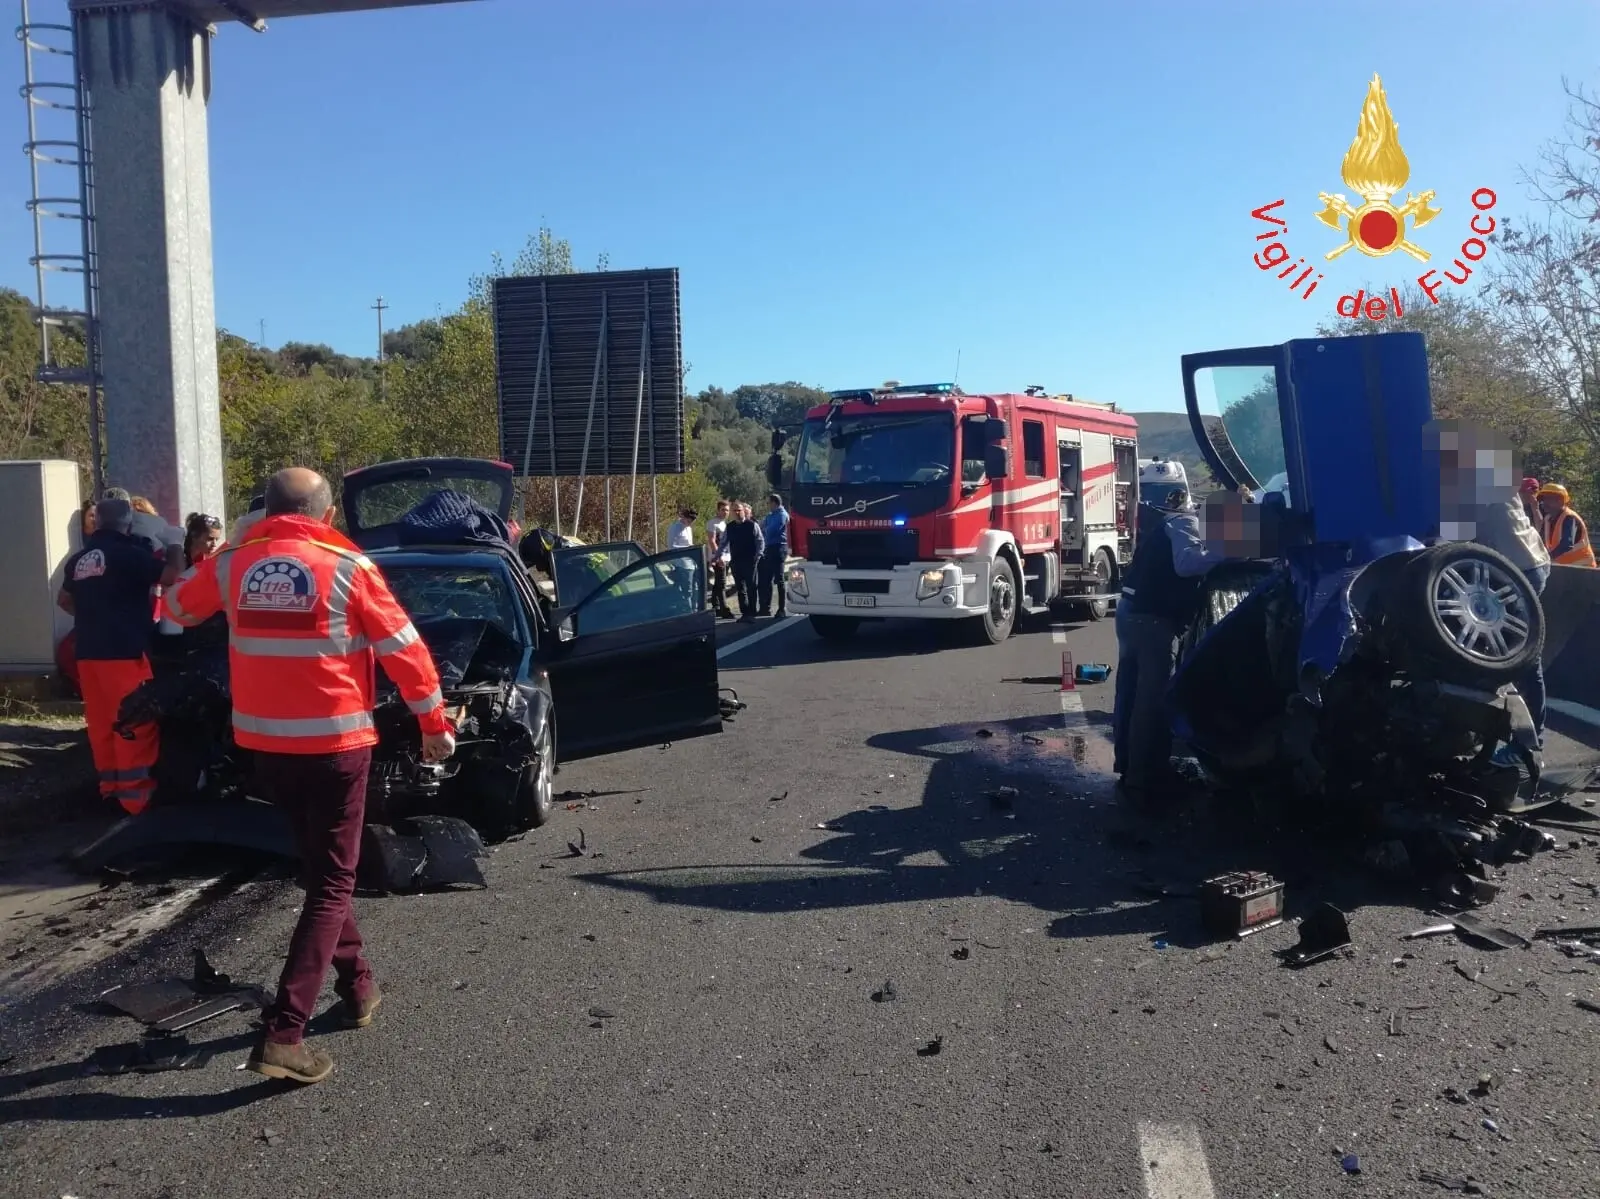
[[1360, 671]]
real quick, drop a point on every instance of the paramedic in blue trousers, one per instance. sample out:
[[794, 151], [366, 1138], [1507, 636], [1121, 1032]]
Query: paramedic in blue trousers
[[1159, 592], [775, 539]]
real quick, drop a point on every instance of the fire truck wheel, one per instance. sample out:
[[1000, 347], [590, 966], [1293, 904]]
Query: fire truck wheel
[[1001, 617], [835, 628], [1103, 574]]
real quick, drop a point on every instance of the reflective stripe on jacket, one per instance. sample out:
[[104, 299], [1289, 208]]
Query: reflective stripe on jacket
[[1581, 552], [307, 611]]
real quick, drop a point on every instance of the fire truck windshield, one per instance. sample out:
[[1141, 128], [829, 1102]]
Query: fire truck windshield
[[906, 449]]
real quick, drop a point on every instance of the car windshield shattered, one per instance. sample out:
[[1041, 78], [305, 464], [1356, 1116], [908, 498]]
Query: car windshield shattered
[[904, 450], [453, 592]]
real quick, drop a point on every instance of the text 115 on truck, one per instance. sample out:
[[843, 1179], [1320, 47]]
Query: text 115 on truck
[[925, 502]]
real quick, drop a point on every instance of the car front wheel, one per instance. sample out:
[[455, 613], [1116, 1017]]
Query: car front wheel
[[536, 797]]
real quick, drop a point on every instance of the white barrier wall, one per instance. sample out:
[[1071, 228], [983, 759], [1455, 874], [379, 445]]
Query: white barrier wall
[[40, 501]]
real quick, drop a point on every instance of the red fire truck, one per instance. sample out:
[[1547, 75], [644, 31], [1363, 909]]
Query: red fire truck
[[926, 502]]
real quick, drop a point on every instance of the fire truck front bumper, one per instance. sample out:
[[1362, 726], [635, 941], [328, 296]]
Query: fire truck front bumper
[[920, 591]]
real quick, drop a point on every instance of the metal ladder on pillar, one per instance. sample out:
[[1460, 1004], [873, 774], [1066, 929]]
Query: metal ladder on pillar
[[60, 168]]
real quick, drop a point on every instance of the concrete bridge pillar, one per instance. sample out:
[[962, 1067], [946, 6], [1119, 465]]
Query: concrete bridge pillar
[[149, 79]]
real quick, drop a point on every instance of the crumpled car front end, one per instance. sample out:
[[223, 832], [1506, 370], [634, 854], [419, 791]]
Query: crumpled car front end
[[492, 780], [1370, 702]]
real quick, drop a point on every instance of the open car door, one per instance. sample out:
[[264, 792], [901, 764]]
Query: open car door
[[634, 662], [1341, 419], [377, 497]]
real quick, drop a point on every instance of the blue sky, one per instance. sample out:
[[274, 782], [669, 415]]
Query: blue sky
[[854, 191]]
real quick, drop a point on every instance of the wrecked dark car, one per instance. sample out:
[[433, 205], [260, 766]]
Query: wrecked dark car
[[622, 655], [1358, 676]]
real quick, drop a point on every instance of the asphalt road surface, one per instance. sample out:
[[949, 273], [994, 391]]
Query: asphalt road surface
[[736, 990]]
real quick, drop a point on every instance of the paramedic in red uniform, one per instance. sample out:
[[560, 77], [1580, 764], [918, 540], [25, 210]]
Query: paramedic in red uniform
[[307, 612], [106, 586]]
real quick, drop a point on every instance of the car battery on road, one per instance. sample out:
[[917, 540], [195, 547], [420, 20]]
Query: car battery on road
[[1240, 903]]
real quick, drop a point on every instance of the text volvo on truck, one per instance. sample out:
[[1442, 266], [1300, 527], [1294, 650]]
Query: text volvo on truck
[[928, 503]]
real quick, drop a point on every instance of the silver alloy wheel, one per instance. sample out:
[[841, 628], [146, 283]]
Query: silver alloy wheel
[[544, 779], [1482, 609]]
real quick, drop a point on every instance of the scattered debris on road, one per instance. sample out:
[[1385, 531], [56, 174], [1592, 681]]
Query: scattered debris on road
[[1465, 1185], [172, 1005], [932, 1048], [1003, 798], [1323, 933], [886, 993], [1432, 930], [1240, 903], [1476, 930], [151, 1056], [961, 953]]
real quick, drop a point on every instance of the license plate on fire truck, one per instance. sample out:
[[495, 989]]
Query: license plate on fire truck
[[860, 601]]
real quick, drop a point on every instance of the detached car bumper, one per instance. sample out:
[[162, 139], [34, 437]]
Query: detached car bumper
[[920, 591]]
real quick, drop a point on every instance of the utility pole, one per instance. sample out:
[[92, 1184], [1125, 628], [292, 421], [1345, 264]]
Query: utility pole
[[383, 384], [263, 342]]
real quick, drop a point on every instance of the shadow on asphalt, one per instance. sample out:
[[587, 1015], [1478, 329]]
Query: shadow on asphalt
[[88, 1106], [1057, 841], [95, 1105]]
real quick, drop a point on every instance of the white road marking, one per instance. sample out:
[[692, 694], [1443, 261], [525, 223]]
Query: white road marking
[[1173, 1162], [39, 974], [1072, 713], [777, 626]]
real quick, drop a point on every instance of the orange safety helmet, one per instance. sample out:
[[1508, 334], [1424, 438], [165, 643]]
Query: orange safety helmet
[[1556, 490]]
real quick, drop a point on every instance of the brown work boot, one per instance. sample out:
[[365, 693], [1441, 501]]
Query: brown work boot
[[297, 1063], [358, 1013]]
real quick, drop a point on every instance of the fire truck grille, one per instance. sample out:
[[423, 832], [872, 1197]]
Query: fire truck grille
[[864, 586], [864, 551]]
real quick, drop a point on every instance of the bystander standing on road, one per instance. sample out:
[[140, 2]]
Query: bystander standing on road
[[717, 559], [775, 552], [307, 612], [1566, 537], [1476, 503], [107, 589], [1528, 493], [680, 533], [1159, 594], [744, 553]]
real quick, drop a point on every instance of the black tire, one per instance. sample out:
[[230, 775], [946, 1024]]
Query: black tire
[[835, 628], [1000, 617], [1105, 573], [536, 788], [1464, 614]]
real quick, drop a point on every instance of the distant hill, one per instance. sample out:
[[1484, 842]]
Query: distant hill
[[1167, 435]]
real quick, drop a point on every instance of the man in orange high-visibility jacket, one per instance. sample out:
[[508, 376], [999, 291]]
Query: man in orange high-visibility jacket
[[307, 612], [1565, 534], [106, 586]]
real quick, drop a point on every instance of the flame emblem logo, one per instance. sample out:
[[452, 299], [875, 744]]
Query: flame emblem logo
[[1375, 168]]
